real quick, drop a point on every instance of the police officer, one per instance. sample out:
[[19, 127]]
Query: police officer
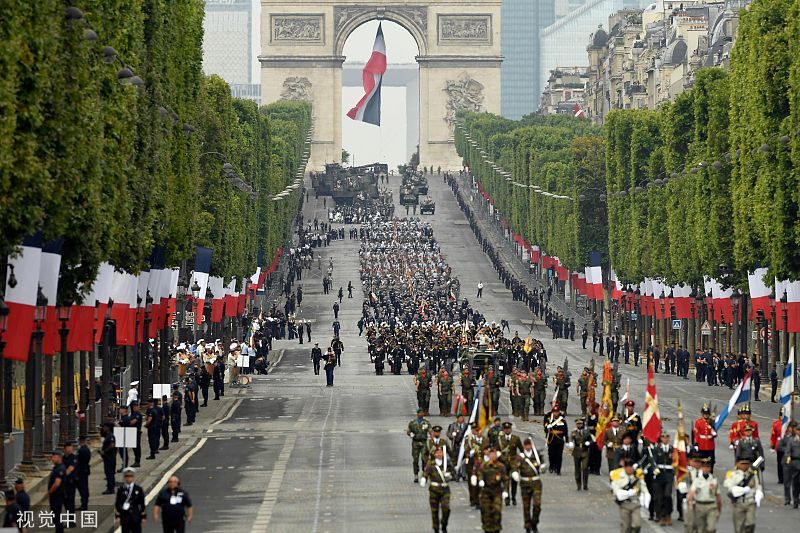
[[70, 462], [175, 507], [191, 398], [136, 420], [418, 431], [219, 378], [129, 507], [704, 499], [579, 443], [745, 493], [55, 488], [175, 415], [108, 451], [153, 425], [83, 471], [526, 472], [316, 357], [165, 416], [437, 475]]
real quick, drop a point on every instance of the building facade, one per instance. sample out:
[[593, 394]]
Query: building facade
[[650, 56], [563, 93]]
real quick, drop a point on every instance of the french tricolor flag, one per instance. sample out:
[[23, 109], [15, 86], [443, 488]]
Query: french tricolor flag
[[21, 299], [759, 292], [368, 109], [123, 312], [740, 395], [202, 266], [82, 326], [48, 279], [231, 299], [217, 286]]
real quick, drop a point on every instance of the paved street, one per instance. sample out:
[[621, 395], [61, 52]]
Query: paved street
[[295, 456]]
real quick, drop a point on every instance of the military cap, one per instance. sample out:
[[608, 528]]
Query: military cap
[[615, 418], [474, 425], [129, 470], [507, 425], [436, 428], [745, 410], [556, 407], [420, 410], [497, 419], [57, 452], [744, 459], [705, 461], [630, 403], [9, 494], [580, 420], [747, 427], [705, 409]]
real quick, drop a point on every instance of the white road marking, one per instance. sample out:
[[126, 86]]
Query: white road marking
[[319, 465], [273, 487]]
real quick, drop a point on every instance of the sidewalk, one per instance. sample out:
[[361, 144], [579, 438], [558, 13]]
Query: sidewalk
[[151, 475]]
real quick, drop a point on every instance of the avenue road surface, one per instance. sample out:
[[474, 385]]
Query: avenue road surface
[[294, 456]]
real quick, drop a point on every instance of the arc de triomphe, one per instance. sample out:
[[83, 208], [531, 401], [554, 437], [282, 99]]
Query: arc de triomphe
[[459, 58]]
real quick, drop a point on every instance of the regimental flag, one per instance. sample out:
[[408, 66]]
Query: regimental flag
[[651, 428], [368, 109], [679, 460], [605, 412], [474, 415], [487, 410], [740, 395], [48, 280], [787, 387], [627, 395], [21, 298]]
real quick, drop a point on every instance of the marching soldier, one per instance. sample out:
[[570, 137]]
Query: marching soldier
[[632, 422], [579, 444], [612, 441], [704, 502], [748, 446], [583, 389], [745, 492], [513, 393], [527, 471], [418, 431], [455, 434], [693, 469], [704, 435], [539, 390], [435, 440], [563, 384], [491, 478], [789, 445], [524, 386], [494, 384], [422, 382], [556, 431], [475, 447], [664, 478], [737, 428], [467, 387], [628, 485], [437, 476], [445, 386], [508, 445], [494, 431]]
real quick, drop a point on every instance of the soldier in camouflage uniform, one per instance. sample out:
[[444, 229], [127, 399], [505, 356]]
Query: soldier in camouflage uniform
[[539, 390], [526, 470], [495, 383], [494, 431], [491, 478], [418, 431], [563, 384], [444, 383], [437, 475], [467, 387], [475, 446], [524, 396], [422, 383], [583, 389], [513, 392], [435, 440], [615, 382], [508, 445]]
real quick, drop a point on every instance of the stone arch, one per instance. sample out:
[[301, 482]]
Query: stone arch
[[413, 19]]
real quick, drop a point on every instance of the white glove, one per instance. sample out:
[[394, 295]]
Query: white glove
[[622, 495], [587, 443], [759, 497], [682, 488], [448, 476], [644, 499], [515, 476], [608, 445], [570, 445], [422, 482], [542, 466], [505, 495], [473, 480], [499, 453], [411, 434], [737, 491], [481, 484], [730, 446], [772, 450], [713, 433]]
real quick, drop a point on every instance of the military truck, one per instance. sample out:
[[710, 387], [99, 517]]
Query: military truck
[[479, 359], [427, 207], [408, 196]]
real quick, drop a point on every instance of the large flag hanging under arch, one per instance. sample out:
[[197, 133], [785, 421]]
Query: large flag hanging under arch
[[368, 109]]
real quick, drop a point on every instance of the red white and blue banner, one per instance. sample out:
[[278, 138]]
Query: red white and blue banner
[[21, 298], [368, 109], [740, 395]]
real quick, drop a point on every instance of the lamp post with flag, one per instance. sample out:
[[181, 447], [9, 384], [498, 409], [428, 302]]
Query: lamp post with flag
[[67, 368], [32, 443], [3, 324], [107, 384]]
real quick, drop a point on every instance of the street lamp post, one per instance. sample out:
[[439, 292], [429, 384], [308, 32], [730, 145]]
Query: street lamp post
[[144, 352], [195, 295], [32, 443], [164, 362], [736, 302], [663, 333], [785, 333], [762, 342], [3, 325], [771, 333], [107, 383], [66, 414]]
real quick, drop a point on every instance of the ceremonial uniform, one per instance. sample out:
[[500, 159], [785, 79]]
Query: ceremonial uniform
[[418, 431], [492, 477], [612, 441], [704, 435], [475, 446], [627, 488], [632, 424], [737, 430], [527, 470], [745, 493], [583, 391], [437, 475], [663, 481], [434, 442], [556, 431], [508, 445], [580, 442], [704, 498]]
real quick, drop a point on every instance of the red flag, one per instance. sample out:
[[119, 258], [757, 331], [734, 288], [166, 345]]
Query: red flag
[[652, 419]]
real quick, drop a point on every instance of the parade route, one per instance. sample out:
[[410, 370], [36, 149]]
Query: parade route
[[296, 456]]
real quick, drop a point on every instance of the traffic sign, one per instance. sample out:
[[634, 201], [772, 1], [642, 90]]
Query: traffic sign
[[705, 329], [633, 315], [766, 333], [676, 324]]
